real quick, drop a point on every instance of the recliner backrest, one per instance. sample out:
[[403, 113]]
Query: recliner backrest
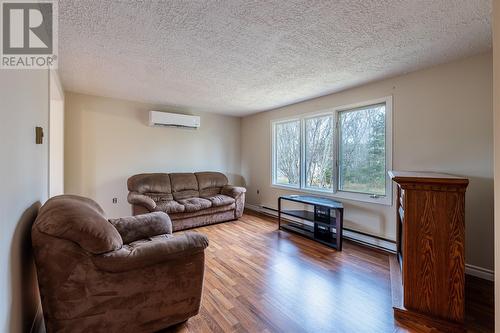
[[184, 186], [210, 183], [178, 186], [79, 220], [157, 186]]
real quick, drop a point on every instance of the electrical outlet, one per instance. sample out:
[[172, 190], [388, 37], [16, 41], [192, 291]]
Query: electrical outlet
[[115, 200]]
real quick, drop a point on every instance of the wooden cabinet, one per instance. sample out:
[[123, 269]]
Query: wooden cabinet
[[430, 249]]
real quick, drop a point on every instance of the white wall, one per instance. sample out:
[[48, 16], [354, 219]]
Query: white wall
[[24, 102], [108, 140], [442, 121]]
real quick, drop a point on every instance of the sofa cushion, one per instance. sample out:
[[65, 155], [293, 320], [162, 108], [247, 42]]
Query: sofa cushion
[[184, 185], [205, 212], [220, 200], [159, 197], [170, 207], [210, 183], [233, 191], [155, 250], [79, 220], [209, 192], [195, 204], [150, 183], [138, 199], [133, 228]]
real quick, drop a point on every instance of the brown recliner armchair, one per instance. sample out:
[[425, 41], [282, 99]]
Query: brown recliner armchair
[[123, 275]]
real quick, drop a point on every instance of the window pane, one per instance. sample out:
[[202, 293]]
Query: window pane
[[287, 159], [362, 150], [319, 152]]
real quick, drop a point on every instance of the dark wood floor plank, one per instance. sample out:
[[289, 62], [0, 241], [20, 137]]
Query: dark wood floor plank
[[259, 279]]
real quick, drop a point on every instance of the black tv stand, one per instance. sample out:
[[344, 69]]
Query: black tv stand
[[326, 228]]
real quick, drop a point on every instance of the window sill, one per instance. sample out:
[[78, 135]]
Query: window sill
[[386, 201]]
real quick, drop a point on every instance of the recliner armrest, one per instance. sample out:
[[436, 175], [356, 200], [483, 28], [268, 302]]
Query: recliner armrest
[[133, 228], [233, 191], [159, 249], [136, 198]]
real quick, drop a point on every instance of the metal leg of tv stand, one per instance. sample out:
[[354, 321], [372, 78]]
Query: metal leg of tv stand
[[339, 225], [279, 213]]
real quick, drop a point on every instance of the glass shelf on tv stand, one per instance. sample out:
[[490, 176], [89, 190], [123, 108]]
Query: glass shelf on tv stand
[[327, 230]]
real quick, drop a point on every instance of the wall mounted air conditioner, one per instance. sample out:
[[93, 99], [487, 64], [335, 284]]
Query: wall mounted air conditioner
[[157, 118]]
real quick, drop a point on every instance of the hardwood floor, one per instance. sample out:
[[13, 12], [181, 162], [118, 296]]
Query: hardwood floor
[[259, 279]]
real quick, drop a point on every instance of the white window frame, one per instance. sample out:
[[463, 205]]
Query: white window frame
[[273, 154], [336, 193], [303, 176]]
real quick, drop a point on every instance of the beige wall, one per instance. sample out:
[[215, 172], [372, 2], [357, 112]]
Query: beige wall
[[496, 103], [442, 120], [24, 102], [56, 136], [108, 140]]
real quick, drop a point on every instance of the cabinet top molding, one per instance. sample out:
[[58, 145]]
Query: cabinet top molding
[[418, 177]]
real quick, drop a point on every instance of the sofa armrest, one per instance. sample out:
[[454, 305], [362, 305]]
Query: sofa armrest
[[136, 198], [133, 228], [159, 249], [233, 191]]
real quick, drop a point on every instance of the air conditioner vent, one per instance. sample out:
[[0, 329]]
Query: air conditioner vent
[[166, 119]]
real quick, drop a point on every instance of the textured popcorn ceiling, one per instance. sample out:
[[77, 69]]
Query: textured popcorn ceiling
[[242, 56]]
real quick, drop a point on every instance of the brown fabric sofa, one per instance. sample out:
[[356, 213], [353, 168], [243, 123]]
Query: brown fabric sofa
[[122, 275], [190, 199]]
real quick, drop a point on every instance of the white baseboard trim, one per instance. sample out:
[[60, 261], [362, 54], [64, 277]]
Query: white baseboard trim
[[255, 208], [476, 271], [352, 235], [480, 272]]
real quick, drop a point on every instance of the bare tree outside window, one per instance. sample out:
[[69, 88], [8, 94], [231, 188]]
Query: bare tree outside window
[[287, 154], [362, 150], [342, 151], [319, 152]]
